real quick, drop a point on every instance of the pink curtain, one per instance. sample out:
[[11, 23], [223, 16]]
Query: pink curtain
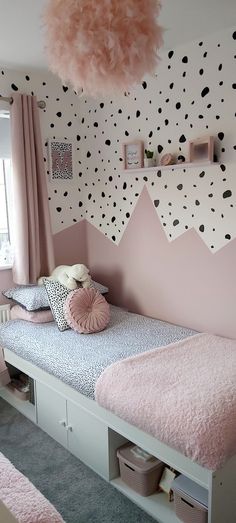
[[33, 245]]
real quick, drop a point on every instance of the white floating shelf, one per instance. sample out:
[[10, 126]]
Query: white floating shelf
[[157, 505], [183, 165]]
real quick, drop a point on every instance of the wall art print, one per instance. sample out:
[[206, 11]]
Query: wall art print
[[60, 159]]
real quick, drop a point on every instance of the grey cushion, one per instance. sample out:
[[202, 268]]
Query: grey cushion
[[99, 287], [57, 294], [31, 297]]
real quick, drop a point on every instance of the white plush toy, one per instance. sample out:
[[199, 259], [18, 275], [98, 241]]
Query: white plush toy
[[70, 276]]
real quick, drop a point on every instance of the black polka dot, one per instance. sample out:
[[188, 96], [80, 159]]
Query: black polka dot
[[14, 87], [205, 91], [180, 186], [88, 154], [108, 142], [65, 193], [182, 138], [201, 71], [202, 174], [234, 86], [137, 114], [227, 194], [234, 35], [201, 228], [65, 88], [144, 84], [175, 222], [197, 202], [178, 105], [223, 168], [59, 114], [80, 204], [221, 136], [185, 59], [170, 54], [159, 148], [59, 209], [27, 78]]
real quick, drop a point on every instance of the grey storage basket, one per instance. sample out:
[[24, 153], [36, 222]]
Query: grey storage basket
[[190, 500], [141, 476]]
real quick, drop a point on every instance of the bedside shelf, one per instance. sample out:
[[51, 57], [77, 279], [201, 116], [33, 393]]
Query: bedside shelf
[[183, 165]]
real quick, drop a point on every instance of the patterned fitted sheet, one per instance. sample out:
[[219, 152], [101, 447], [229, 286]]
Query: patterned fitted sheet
[[79, 359]]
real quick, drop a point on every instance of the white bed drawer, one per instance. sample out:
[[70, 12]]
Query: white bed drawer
[[51, 410]]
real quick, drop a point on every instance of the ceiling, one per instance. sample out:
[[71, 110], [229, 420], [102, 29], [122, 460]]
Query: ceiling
[[21, 35]]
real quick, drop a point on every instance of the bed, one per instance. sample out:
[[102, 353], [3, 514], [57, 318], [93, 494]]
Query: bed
[[65, 368]]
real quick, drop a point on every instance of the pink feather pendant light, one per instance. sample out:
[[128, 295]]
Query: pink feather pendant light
[[102, 46]]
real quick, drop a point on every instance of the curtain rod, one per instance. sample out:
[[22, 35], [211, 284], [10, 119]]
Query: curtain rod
[[41, 104]]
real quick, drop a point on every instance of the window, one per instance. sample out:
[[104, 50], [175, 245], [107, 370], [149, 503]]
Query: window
[[6, 207]]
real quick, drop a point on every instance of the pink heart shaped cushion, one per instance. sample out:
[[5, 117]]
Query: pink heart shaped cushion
[[86, 311]]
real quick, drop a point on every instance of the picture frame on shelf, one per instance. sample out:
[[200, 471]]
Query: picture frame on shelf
[[201, 150], [133, 155], [60, 156]]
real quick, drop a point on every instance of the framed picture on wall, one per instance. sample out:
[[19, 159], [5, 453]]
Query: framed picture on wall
[[201, 149], [133, 155], [60, 159]]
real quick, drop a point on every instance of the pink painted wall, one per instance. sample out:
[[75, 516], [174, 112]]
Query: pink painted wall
[[5, 283], [70, 245], [181, 282]]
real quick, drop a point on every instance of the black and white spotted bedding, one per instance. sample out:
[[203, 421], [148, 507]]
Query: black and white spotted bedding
[[79, 359]]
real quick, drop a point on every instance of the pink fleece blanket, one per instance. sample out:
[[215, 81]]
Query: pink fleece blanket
[[183, 394], [22, 499]]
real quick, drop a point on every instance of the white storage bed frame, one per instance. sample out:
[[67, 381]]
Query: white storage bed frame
[[93, 434]]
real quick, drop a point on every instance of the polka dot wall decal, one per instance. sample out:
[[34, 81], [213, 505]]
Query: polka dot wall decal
[[65, 88], [234, 35], [59, 209], [159, 148], [227, 237], [14, 87], [182, 138], [180, 186], [178, 105], [144, 84], [59, 114], [201, 228], [175, 222], [88, 154], [170, 54], [185, 59], [205, 91], [108, 142], [227, 194], [201, 71], [27, 78], [221, 136], [138, 114]]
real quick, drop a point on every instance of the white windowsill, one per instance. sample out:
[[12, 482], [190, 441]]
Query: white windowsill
[[5, 267]]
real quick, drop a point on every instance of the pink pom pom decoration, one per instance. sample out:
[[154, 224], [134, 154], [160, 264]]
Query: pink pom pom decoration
[[102, 46]]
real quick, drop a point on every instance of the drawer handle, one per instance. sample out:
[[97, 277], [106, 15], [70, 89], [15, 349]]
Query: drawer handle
[[69, 428], [62, 422], [187, 502]]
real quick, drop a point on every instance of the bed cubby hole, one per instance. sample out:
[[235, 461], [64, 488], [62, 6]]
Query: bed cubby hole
[[21, 384]]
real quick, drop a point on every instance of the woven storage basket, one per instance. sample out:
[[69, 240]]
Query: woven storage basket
[[142, 476], [190, 501]]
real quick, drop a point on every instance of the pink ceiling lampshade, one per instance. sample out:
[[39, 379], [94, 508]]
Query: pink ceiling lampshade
[[102, 46]]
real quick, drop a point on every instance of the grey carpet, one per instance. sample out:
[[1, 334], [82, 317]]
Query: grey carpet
[[79, 494]]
